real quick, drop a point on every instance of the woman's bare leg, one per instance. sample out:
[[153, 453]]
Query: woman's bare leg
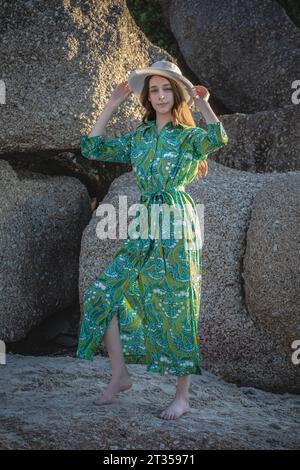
[[180, 404], [113, 345], [121, 379]]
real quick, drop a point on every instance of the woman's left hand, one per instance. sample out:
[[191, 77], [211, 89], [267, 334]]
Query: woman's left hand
[[200, 94]]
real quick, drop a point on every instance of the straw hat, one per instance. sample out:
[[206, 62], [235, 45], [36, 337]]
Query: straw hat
[[167, 69]]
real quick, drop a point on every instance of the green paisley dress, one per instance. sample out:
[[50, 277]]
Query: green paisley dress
[[153, 284]]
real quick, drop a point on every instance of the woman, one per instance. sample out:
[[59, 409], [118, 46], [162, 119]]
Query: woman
[[146, 303]]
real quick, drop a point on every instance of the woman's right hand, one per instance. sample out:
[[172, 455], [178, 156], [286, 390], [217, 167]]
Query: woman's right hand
[[120, 94]]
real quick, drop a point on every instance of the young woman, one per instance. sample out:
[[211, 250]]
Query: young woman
[[146, 303]]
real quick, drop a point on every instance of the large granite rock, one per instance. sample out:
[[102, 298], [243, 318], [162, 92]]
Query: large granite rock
[[60, 62], [236, 347], [262, 142], [41, 222], [272, 260], [47, 404], [247, 53]]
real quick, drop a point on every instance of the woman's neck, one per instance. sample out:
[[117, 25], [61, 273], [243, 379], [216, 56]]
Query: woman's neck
[[162, 119]]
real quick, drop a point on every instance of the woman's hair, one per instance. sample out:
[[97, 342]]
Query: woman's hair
[[181, 114]]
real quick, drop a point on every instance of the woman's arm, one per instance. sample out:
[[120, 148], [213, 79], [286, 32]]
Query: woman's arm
[[210, 141], [208, 114], [95, 146], [206, 142], [201, 97], [102, 120], [115, 150]]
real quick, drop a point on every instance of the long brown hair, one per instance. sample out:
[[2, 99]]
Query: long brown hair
[[181, 114]]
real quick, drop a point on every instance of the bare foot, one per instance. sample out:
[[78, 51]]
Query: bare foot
[[115, 386], [178, 407]]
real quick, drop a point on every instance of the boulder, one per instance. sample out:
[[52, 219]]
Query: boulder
[[60, 62], [236, 346], [42, 219], [271, 268], [262, 142], [246, 53]]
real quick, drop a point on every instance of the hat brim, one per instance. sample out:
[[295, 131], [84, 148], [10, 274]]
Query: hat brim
[[137, 77]]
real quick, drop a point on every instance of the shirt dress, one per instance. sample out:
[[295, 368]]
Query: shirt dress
[[153, 283]]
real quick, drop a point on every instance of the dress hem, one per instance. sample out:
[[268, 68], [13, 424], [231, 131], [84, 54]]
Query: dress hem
[[142, 360]]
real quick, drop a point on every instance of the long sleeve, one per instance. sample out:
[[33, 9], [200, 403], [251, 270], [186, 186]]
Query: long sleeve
[[116, 150], [206, 142]]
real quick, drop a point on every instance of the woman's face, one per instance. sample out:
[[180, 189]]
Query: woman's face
[[161, 94]]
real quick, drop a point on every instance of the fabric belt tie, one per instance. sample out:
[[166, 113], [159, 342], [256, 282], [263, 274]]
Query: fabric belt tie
[[160, 195], [157, 197]]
